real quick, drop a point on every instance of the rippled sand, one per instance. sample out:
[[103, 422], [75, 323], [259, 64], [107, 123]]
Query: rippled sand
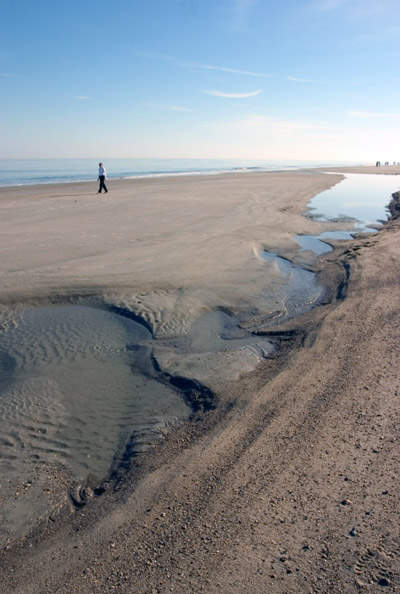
[[201, 263]]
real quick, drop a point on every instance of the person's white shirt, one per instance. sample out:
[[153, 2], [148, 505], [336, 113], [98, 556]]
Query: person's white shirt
[[102, 171]]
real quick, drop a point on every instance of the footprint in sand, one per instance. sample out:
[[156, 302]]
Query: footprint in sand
[[380, 565]]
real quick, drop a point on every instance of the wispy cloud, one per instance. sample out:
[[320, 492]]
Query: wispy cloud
[[6, 75], [268, 122], [273, 137], [83, 98], [369, 115], [226, 69], [168, 107], [232, 95], [306, 80]]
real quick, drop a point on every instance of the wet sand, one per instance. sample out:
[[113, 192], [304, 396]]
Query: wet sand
[[291, 484]]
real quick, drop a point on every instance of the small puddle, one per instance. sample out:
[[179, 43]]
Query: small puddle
[[300, 290], [316, 243]]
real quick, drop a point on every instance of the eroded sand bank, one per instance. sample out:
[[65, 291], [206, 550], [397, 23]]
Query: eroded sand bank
[[291, 484]]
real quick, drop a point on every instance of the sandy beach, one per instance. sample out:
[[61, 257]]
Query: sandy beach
[[290, 483]]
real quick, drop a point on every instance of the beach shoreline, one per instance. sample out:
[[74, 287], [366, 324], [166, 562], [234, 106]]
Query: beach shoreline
[[58, 219], [291, 481], [55, 171]]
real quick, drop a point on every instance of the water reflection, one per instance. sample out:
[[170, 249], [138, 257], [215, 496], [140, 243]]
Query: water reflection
[[300, 290], [362, 198], [317, 244]]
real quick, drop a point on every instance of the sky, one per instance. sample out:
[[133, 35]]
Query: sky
[[249, 79]]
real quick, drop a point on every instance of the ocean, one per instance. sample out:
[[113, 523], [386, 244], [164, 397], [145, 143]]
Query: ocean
[[45, 171]]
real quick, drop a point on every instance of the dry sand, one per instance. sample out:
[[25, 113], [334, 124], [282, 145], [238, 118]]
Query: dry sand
[[198, 235], [292, 484]]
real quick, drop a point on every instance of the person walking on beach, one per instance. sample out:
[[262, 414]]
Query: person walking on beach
[[102, 178]]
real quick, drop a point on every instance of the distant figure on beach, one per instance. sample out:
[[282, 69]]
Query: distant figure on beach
[[378, 163], [102, 178]]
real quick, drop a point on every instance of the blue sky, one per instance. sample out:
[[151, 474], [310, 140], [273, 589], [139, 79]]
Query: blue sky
[[300, 79]]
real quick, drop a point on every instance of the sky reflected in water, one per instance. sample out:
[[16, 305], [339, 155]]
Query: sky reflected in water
[[363, 197]]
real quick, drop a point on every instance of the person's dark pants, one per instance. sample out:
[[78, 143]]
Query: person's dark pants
[[102, 184]]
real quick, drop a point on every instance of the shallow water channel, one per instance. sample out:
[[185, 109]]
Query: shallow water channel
[[81, 388]]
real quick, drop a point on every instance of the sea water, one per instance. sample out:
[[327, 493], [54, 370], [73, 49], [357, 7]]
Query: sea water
[[45, 171]]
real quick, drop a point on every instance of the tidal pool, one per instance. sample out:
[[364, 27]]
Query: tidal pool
[[317, 243], [362, 199]]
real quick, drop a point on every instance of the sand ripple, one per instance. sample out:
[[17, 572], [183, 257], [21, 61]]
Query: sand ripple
[[73, 395]]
